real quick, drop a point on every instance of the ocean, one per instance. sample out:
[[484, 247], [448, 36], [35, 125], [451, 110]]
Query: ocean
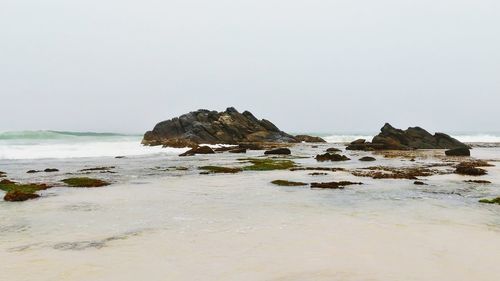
[[161, 219]]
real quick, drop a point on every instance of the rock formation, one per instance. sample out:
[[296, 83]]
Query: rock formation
[[211, 127], [411, 138]]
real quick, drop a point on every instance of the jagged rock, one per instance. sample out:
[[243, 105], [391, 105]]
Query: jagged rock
[[198, 150], [411, 138], [461, 151], [211, 127], [278, 151], [310, 139]]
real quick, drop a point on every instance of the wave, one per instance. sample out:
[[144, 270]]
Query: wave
[[51, 135]]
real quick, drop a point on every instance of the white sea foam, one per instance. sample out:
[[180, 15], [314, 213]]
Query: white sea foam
[[346, 138]]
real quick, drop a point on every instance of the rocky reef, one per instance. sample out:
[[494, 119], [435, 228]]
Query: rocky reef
[[212, 127], [391, 138]]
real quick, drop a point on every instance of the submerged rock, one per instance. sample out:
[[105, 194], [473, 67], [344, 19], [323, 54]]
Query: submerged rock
[[85, 182], [198, 150], [278, 151], [471, 168], [391, 138], [288, 183], [18, 196], [490, 201], [309, 139], [367, 159], [212, 127], [50, 170], [218, 169], [238, 150], [331, 157], [333, 184], [267, 164], [461, 151]]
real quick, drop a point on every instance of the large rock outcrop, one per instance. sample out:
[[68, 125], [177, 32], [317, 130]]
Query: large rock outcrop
[[411, 138], [212, 127]]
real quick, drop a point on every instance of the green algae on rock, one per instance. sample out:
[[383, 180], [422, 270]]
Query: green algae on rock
[[85, 182], [21, 192], [268, 164], [220, 170], [288, 183], [490, 201]]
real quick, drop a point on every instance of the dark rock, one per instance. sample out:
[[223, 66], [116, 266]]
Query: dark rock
[[220, 170], [367, 159], [50, 170], [478, 181], [333, 184], [211, 127], [359, 141], [225, 148], [391, 138], [419, 183], [198, 150], [461, 151], [85, 182], [490, 201], [471, 168], [33, 171], [18, 196], [238, 150], [331, 157], [318, 174], [288, 183], [278, 151], [120, 157], [309, 139], [333, 149]]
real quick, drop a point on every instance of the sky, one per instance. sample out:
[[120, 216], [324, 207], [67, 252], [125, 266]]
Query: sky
[[308, 66]]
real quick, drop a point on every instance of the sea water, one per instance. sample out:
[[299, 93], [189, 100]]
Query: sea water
[[160, 223]]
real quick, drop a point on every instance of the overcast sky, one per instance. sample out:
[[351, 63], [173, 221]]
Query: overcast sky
[[308, 66]]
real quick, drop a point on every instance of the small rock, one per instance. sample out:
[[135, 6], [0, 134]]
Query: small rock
[[33, 171], [333, 184], [278, 151], [367, 159], [238, 150], [461, 151], [478, 181], [331, 157], [419, 183], [18, 196], [50, 170], [310, 139], [198, 150], [333, 149]]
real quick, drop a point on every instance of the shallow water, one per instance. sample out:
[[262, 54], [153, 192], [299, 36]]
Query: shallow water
[[157, 223]]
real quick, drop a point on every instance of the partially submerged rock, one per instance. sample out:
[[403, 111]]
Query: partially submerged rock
[[198, 150], [219, 169], [383, 172], [331, 157], [212, 127], [490, 201], [317, 169], [267, 164], [367, 159], [419, 183], [85, 182], [98, 169], [471, 168], [461, 151], [391, 138], [278, 151], [478, 181], [33, 171], [21, 192], [288, 183], [333, 149], [309, 139], [2, 174], [238, 150], [51, 170], [333, 184]]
